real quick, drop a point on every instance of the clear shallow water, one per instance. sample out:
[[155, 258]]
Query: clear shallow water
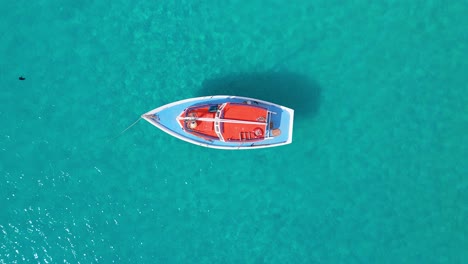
[[375, 173]]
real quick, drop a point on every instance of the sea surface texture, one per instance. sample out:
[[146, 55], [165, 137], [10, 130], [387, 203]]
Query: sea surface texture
[[377, 171]]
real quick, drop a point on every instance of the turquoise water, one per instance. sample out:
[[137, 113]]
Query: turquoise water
[[376, 173]]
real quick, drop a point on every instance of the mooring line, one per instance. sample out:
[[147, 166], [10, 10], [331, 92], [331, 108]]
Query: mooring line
[[134, 123]]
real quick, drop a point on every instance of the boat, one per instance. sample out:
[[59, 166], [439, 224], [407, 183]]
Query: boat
[[225, 122]]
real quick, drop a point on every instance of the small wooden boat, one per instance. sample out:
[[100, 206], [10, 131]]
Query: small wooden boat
[[225, 122]]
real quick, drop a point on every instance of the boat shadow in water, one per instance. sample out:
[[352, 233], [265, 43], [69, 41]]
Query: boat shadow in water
[[284, 88]]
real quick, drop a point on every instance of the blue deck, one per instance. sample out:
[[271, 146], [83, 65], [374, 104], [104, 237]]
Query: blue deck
[[165, 118]]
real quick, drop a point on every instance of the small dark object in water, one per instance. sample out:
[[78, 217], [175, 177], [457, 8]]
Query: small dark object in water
[[21, 78]]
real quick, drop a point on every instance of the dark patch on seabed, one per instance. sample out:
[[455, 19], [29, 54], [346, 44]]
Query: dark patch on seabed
[[284, 88]]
